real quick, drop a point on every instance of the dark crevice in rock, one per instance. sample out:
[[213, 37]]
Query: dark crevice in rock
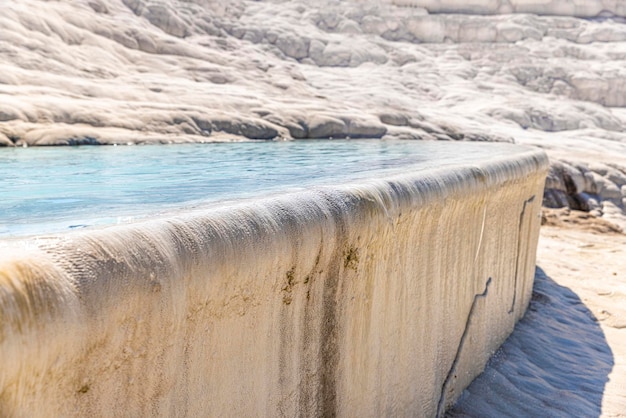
[[441, 405], [87, 140], [520, 241]]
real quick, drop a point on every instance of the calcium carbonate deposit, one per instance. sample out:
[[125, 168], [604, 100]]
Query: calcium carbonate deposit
[[123, 320], [377, 298], [544, 72]]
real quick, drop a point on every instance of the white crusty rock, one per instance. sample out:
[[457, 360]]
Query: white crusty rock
[[544, 72], [578, 8], [174, 71], [548, 73]]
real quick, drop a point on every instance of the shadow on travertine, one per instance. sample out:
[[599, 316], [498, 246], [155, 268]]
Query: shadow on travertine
[[555, 364]]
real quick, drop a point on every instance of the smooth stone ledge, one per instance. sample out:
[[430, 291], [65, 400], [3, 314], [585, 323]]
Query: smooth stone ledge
[[378, 298]]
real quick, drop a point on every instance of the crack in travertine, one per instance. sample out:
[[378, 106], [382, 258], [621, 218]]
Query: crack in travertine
[[449, 377], [520, 241]]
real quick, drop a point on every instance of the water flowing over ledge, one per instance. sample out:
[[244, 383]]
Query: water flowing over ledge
[[84, 186], [380, 297]]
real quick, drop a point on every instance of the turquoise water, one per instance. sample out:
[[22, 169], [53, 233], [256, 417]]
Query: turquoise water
[[45, 190]]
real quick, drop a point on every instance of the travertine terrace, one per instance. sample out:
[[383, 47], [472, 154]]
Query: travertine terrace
[[545, 73], [378, 298]]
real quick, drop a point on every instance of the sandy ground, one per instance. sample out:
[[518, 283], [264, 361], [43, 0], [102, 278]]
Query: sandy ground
[[567, 356]]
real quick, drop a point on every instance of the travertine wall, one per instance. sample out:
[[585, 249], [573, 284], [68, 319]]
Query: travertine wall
[[578, 8], [382, 298]]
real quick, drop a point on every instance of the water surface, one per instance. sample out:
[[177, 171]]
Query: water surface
[[51, 189]]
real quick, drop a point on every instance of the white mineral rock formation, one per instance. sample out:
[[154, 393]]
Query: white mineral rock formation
[[140, 71], [578, 8], [548, 73], [136, 71], [382, 298]]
